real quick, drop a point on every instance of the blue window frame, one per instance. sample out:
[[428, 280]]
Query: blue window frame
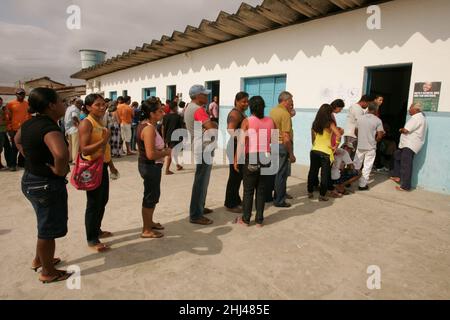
[[148, 93], [113, 95]]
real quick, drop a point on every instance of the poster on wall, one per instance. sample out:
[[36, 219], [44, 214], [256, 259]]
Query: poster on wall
[[428, 94]]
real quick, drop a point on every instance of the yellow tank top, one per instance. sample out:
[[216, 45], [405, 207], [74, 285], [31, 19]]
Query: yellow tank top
[[97, 135], [322, 143]]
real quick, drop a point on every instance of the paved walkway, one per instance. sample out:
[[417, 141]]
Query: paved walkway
[[310, 251]]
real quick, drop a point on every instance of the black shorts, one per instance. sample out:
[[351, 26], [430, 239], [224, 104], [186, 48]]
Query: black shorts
[[151, 173], [48, 196]]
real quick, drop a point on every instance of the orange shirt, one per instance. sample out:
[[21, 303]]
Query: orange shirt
[[125, 113], [18, 114]]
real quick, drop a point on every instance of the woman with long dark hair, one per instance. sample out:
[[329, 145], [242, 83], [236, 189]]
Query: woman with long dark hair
[[94, 143], [234, 121], [322, 153], [254, 141], [46, 165], [152, 152]]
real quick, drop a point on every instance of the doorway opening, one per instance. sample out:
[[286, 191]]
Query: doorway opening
[[214, 86], [171, 92], [392, 82]]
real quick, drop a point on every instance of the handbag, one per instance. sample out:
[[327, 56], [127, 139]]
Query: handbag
[[87, 175]]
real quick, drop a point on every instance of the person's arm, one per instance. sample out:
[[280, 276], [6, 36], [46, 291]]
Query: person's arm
[[313, 137], [57, 146], [240, 144], [201, 116], [380, 135], [233, 122], [9, 119], [18, 141], [148, 135], [410, 126], [116, 116], [337, 133], [112, 167], [85, 132]]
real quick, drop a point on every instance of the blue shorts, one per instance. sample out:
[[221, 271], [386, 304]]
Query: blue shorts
[[48, 196], [345, 176]]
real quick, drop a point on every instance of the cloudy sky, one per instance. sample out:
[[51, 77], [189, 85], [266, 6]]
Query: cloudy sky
[[35, 42]]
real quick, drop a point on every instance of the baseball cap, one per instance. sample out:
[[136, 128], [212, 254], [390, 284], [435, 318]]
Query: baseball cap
[[198, 89], [348, 145], [20, 91]]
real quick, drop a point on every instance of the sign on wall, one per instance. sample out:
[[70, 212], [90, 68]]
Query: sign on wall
[[428, 94]]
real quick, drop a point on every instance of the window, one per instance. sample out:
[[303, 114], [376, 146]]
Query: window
[[148, 93], [113, 95], [269, 88], [124, 93]]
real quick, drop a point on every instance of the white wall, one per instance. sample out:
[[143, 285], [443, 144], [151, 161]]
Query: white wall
[[323, 59]]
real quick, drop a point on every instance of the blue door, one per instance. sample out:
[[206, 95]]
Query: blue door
[[269, 88], [148, 93]]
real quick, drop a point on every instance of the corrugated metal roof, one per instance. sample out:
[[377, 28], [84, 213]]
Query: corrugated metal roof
[[248, 20]]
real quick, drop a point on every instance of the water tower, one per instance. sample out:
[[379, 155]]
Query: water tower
[[90, 58]]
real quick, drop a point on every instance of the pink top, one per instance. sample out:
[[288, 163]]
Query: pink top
[[159, 145], [259, 134]]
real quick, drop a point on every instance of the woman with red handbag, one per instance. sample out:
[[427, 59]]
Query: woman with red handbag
[[94, 147]]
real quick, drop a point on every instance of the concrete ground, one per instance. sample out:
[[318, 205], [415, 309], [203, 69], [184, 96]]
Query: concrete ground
[[310, 251]]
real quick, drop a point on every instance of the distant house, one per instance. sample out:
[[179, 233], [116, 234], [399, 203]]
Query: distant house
[[7, 94], [44, 82]]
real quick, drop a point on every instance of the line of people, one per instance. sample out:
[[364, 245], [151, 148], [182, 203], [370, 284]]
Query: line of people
[[47, 156]]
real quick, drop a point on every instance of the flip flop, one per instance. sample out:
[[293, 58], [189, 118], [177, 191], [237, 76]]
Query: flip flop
[[400, 189], [100, 247], [63, 276], [396, 180], [154, 235], [158, 226], [56, 261]]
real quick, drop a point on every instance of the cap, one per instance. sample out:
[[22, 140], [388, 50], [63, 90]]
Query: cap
[[348, 145], [20, 91], [198, 89]]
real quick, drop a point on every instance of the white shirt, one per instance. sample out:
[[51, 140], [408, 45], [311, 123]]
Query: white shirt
[[368, 125], [417, 127], [354, 113], [71, 112], [341, 157]]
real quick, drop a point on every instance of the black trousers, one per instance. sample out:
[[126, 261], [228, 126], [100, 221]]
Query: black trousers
[[95, 209], [254, 182], [319, 161], [232, 197], [403, 166]]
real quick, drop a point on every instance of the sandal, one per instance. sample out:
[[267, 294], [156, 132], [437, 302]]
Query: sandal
[[99, 247], [396, 180], [239, 220], [157, 226], [62, 276], [153, 235], [56, 261]]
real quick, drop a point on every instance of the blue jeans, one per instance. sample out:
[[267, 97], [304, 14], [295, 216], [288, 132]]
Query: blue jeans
[[281, 177], [199, 190], [48, 196]]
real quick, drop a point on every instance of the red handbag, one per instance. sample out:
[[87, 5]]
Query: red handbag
[[87, 175]]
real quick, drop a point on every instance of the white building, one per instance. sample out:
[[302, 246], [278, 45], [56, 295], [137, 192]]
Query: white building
[[319, 50]]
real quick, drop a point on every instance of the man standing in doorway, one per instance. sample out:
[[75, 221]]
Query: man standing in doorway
[[214, 110], [355, 111], [18, 114], [369, 130], [71, 122], [411, 142], [197, 122], [125, 115], [281, 116]]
